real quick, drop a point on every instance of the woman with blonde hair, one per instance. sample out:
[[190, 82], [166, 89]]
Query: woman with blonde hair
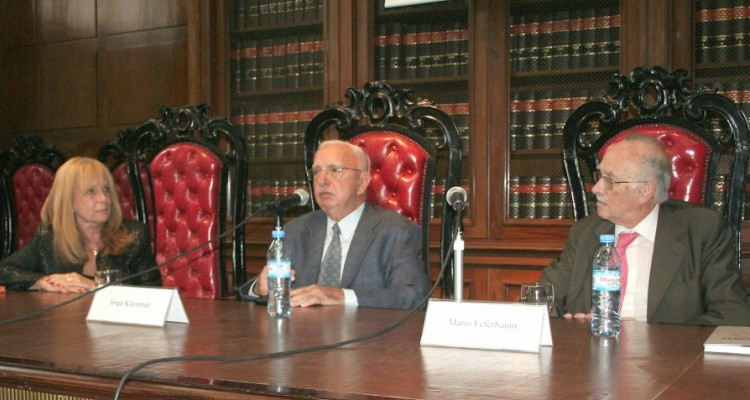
[[81, 231]]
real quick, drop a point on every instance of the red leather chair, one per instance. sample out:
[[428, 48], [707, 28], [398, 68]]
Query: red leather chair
[[28, 170], [704, 134], [114, 155], [404, 139], [191, 159]]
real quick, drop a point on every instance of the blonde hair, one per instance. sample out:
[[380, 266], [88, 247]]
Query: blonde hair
[[57, 212]]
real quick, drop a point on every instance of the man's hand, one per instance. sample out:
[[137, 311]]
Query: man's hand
[[577, 316], [314, 295], [261, 283]]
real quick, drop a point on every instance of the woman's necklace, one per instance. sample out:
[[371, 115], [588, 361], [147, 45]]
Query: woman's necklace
[[95, 249]]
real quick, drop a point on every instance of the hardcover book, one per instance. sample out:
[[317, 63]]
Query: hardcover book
[[728, 339]]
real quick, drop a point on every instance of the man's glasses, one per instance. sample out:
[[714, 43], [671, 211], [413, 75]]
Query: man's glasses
[[608, 182], [335, 171]]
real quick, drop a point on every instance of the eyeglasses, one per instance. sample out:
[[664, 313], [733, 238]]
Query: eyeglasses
[[336, 171], [608, 182]]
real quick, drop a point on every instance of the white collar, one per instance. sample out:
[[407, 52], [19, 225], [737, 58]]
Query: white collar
[[645, 228], [348, 224]]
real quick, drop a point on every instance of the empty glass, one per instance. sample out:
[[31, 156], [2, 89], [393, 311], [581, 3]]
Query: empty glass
[[106, 276], [538, 293]]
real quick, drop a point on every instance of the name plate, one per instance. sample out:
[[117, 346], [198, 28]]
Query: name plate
[[137, 305], [486, 325]]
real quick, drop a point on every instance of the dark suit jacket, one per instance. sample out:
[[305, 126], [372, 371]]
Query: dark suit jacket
[[382, 266], [693, 279], [23, 268]]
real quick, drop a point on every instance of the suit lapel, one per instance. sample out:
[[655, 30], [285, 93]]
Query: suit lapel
[[669, 250], [316, 229], [361, 240]]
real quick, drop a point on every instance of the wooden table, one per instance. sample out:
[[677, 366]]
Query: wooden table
[[59, 352]]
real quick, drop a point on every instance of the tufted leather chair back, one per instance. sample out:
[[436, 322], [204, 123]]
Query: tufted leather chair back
[[404, 139], [191, 159], [124, 191], [32, 184], [185, 180], [399, 167], [28, 171], [704, 134]]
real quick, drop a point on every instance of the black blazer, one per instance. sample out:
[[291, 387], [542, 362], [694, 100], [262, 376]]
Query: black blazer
[[23, 268]]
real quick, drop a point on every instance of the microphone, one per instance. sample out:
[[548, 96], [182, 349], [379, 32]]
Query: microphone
[[300, 197], [456, 197]]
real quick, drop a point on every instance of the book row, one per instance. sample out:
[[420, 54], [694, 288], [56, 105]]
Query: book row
[[537, 118], [576, 38], [722, 31], [546, 197], [459, 112], [738, 91], [274, 131], [404, 51], [279, 130], [257, 13], [530, 197], [282, 63]]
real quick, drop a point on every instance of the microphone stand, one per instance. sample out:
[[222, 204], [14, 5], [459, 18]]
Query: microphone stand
[[458, 259]]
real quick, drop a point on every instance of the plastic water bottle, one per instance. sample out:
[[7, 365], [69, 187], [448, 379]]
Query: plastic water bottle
[[279, 277], [605, 320]]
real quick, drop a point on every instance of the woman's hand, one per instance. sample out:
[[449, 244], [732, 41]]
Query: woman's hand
[[64, 283]]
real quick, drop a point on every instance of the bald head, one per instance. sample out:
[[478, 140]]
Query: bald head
[[635, 179]]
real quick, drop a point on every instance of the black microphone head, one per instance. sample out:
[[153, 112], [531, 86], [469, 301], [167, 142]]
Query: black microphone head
[[455, 195], [304, 196]]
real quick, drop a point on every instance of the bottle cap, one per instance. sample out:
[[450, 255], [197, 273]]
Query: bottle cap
[[277, 234], [606, 238]]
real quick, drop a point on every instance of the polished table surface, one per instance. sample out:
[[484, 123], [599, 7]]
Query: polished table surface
[[58, 351]]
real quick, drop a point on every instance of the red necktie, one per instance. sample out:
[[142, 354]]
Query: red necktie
[[623, 241]]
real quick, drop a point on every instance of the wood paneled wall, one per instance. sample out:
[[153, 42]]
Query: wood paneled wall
[[77, 71]]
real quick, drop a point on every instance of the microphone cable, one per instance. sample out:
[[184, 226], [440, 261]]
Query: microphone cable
[[263, 356], [137, 274]]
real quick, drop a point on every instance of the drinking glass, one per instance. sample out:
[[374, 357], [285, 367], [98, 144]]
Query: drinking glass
[[107, 276], [538, 293]]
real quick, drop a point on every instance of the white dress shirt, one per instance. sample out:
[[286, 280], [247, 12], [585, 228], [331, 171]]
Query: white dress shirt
[[639, 254]]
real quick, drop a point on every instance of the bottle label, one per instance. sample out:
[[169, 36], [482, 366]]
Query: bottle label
[[279, 269], [603, 280]]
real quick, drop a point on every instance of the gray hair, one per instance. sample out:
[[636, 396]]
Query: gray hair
[[654, 163]]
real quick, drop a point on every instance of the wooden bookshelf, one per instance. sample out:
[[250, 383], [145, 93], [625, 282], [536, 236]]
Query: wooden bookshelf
[[528, 64]]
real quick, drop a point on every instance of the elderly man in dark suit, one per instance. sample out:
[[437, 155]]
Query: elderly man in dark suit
[[378, 249], [681, 265]]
